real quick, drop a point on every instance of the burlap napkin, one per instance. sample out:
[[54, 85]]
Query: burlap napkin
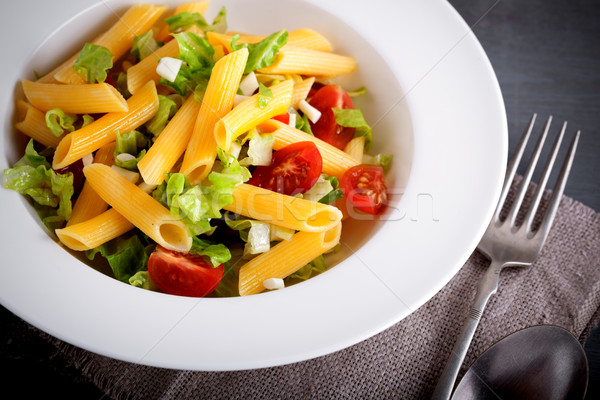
[[404, 362]]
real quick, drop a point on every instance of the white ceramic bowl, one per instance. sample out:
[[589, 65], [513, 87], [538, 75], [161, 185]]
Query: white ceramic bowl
[[434, 103]]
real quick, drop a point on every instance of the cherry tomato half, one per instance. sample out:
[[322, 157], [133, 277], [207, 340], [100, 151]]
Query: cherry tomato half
[[326, 128], [285, 118], [183, 274], [294, 169], [364, 186]]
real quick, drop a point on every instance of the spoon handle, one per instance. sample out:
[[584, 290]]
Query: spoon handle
[[487, 286]]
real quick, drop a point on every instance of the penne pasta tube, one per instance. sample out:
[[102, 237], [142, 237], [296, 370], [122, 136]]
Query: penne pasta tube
[[77, 99], [301, 90], [306, 38], [138, 207], [118, 39], [282, 210], [139, 74], [170, 144], [193, 7], [142, 106], [356, 148], [217, 102], [248, 114], [91, 233], [285, 258], [301, 61], [335, 161], [88, 203], [32, 122]]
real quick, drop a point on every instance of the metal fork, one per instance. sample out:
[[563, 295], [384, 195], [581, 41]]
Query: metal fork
[[507, 243]]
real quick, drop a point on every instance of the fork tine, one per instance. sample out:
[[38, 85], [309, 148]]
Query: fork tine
[[512, 217], [558, 190], [512, 167], [544, 179]]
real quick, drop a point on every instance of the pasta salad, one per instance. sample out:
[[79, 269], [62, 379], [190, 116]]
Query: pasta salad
[[198, 161]]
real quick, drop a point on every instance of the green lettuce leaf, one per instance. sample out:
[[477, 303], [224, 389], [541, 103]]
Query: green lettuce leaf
[[59, 121], [313, 268], [126, 256], [304, 125], [32, 176], [130, 143], [264, 94], [144, 45], [335, 194], [382, 160], [357, 92], [142, 280], [218, 253], [122, 85], [353, 118], [93, 62], [167, 107], [263, 53], [186, 19]]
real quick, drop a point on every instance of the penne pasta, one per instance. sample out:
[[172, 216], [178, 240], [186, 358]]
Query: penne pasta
[[218, 101], [139, 74], [301, 89], [170, 144], [32, 122], [142, 106], [356, 148], [88, 203], [306, 38], [285, 258], [77, 99], [248, 114], [282, 210], [138, 207], [301, 61], [335, 161], [93, 232], [118, 39]]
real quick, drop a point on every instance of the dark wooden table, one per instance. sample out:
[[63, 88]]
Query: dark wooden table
[[546, 55]]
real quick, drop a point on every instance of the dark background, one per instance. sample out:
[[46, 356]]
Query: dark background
[[546, 55]]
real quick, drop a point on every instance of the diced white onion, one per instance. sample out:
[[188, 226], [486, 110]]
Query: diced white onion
[[249, 84], [292, 122], [131, 176], [260, 149], [279, 233], [168, 68], [258, 238], [87, 160], [238, 99], [273, 283], [124, 157], [234, 149], [312, 113], [146, 187]]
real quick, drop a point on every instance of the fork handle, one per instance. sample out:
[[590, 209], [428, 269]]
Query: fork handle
[[487, 286]]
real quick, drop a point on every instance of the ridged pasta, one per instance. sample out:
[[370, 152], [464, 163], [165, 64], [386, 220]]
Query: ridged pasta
[[282, 210], [301, 61], [193, 7], [139, 74], [285, 258], [306, 38], [138, 207], [142, 106], [356, 148], [248, 114], [77, 99], [32, 122], [93, 232], [217, 102]]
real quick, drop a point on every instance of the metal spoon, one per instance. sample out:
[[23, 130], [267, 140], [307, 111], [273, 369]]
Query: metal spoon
[[541, 362]]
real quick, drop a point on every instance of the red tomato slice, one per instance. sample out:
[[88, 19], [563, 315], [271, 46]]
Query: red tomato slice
[[183, 274], [294, 169], [326, 128], [285, 118], [364, 186]]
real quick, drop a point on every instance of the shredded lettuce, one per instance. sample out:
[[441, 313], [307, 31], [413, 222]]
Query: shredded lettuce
[[264, 95], [384, 161], [186, 19], [353, 118], [255, 234], [260, 150], [304, 125], [33, 176], [357, 92], [126, 256], [197, 56], [144, 45], [59, 121], [263, 53], [122, 85], [335, 194], [129, 143], [218, 253], [142, 280], [313, 268], [93, 62], [197, 205], [167, 107]]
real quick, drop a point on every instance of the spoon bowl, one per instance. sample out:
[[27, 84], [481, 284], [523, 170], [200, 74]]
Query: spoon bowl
[[540, 362]]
